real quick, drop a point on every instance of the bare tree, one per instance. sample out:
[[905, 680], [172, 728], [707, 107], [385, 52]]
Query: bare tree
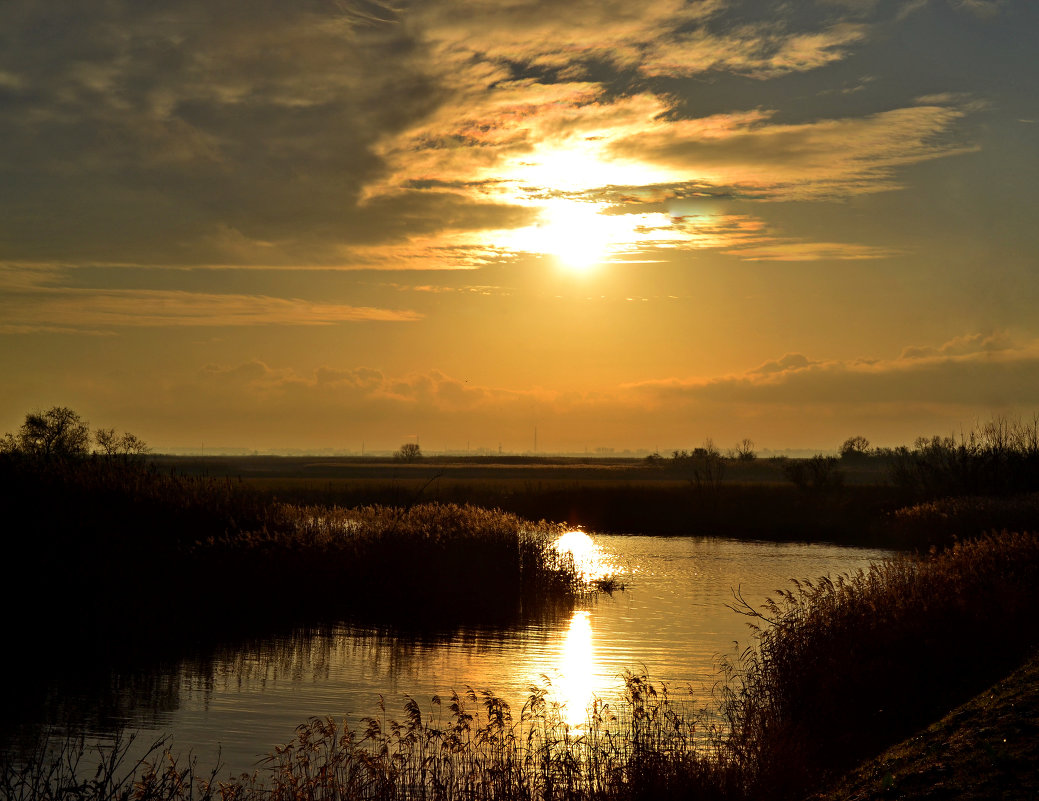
[[854, 448], [745, 450], [132, 445], [57, 432], [107, 442], [408, 452], [110, 444]]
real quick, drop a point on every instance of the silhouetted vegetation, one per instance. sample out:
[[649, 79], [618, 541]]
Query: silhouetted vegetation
[[745, 450], [853, 448], [999, 458], [113, 538], [842, 666], [408, 452], [58, 433], [818, 474]]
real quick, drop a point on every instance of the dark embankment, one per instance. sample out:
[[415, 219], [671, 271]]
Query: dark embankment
[[987, 748], [845, 668], [855, 499]]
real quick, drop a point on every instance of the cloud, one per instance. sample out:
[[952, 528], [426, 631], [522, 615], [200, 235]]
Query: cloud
[[810, 251], [963, 346], [976, 371], [35, 301], [430, 392], [368, 135], [821, 159], [760, 51], [981, 8], [793, 399], [791, 361]]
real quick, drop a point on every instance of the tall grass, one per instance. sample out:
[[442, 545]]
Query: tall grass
[[411, 565], [845, 666], [126, 544], [840, 668]]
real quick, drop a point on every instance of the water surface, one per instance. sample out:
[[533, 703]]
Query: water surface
[[672, 622]]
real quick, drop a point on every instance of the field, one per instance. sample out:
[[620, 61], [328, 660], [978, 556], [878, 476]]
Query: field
[[747, 499]]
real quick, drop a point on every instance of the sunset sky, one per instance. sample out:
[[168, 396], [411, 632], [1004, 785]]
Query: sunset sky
[[323, 223]]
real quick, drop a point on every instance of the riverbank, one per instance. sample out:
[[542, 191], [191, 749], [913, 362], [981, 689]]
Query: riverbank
[[987, 748], [851, 502]]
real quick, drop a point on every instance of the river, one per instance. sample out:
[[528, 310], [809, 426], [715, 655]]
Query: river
[[671, 621]]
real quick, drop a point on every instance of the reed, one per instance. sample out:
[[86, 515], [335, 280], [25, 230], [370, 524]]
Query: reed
[[845, 666]]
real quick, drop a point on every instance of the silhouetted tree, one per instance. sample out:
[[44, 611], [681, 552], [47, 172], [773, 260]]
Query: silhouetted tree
[[745, 450], [57, 432], [408, 452], [854, 448], [817, 474], [109, 444]]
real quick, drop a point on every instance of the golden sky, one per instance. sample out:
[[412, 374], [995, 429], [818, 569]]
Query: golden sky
[[633, 225]]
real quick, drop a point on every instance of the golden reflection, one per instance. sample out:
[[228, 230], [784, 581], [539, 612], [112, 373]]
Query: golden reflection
[[576, 685], [591, 562]]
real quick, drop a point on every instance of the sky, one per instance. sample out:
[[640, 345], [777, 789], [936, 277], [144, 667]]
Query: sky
[[347, 224]]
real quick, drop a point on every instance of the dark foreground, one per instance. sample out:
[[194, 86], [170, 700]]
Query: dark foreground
[[988, 748]]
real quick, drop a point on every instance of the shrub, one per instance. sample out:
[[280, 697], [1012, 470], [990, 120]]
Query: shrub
[[817, 474]]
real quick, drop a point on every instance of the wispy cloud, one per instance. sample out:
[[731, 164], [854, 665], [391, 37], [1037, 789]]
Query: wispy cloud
[[822, 159], [33, 301], [760, 51]]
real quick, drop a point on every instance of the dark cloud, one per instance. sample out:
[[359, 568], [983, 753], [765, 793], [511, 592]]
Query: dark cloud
[[134, 131]]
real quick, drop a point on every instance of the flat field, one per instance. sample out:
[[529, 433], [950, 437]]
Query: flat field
[[751, 499]]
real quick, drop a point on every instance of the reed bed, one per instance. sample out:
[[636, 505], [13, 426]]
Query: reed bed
[[840, 668], [845, 666], [127, 544], [412, 564]]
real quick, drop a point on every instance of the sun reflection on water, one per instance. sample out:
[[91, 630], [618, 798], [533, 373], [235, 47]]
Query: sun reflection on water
[[591, 562], [577, 674], [578, 679]]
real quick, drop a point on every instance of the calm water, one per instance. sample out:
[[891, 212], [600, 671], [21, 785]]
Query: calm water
[[672, 621]]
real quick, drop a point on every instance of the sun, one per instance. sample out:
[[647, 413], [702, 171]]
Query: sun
[[577, 233]]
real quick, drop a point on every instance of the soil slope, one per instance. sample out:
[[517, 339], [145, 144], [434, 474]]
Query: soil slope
[[986, 749]]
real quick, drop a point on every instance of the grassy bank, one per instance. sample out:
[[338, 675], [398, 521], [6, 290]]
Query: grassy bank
[[841, 668]]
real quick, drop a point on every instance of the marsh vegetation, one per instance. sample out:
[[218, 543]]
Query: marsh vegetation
[[840, 666]]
